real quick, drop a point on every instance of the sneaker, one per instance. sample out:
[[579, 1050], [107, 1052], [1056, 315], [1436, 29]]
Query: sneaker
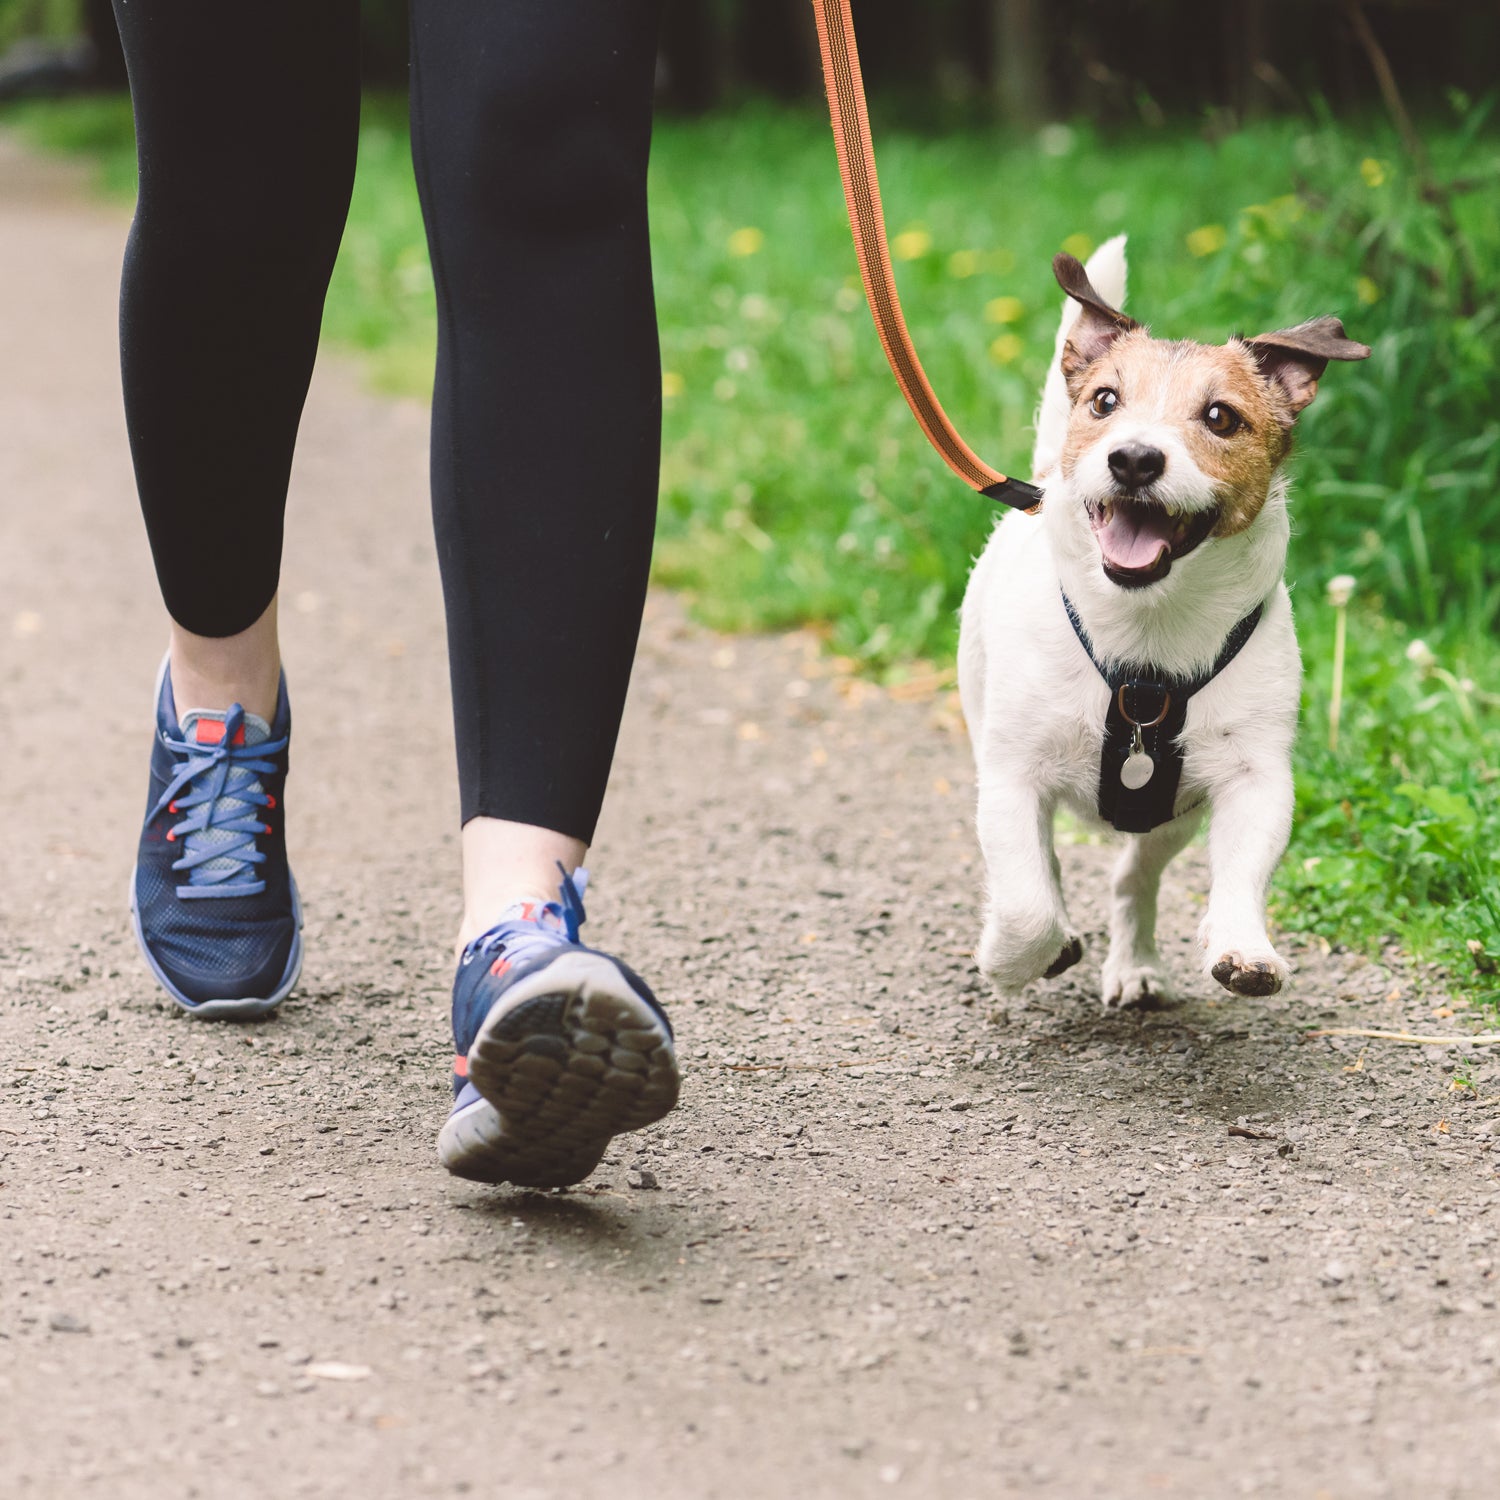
[[214, 905], [560, 1048]]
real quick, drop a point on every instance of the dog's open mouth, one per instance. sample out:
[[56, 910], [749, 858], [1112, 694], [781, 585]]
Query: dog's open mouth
[[1139, 540]]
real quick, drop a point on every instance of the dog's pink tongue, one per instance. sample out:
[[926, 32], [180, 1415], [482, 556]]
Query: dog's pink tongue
[[1136, 538]]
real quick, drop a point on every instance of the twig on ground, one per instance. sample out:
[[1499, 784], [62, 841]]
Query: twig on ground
[[853, 1062], [1486, 1039], [1252, 1135]]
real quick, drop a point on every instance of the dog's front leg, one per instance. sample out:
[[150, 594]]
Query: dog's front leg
[[1026, 933], [1251, 821], [1133, 974]]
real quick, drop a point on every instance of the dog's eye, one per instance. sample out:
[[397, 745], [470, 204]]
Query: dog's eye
[[1104, 401], [1222, 420]]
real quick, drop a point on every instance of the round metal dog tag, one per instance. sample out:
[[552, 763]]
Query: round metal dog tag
[[1137, 770]]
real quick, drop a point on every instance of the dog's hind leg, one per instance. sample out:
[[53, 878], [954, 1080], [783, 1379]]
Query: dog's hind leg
[[1026, 931], [1133, 973]]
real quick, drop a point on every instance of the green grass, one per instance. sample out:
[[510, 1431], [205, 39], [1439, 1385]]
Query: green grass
[[796, 486]]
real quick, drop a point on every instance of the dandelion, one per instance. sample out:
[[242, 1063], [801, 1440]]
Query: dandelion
[[963, 263], [1003, 310], [1207, 239], [1340, 591], [1366, 290], [747, 241], [1006, 349], [672, 384], [1373, 172], [911, 244], [1421, 656], [1079, 245]]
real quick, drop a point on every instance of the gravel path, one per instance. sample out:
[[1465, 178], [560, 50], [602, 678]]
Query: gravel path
[[889, 1245]]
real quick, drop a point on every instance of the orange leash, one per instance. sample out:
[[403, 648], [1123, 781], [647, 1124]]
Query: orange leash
[[851, 136]]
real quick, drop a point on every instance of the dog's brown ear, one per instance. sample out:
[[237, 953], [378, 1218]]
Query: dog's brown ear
[[1294, 358], [1097, 326]]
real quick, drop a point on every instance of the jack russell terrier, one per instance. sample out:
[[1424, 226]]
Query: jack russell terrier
[[1130, 653]]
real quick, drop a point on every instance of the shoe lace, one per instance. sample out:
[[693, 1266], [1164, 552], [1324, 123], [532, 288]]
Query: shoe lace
[[526, 927], [218, 788]]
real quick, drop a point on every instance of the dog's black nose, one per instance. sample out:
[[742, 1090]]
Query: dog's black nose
[[1135, 465]]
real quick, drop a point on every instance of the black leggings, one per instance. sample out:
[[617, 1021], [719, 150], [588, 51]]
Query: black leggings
[[531, 126]]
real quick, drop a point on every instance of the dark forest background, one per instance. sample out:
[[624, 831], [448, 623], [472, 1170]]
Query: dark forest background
[[1020, 61]]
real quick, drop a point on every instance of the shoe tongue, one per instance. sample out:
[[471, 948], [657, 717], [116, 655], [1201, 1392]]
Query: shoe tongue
[[205, 726], [1136, 537]]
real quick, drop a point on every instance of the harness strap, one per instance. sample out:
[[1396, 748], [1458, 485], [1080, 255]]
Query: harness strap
[[856, 153], [1147, 714]]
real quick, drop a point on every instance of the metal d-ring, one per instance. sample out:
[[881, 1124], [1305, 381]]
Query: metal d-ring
[[1166, 703]]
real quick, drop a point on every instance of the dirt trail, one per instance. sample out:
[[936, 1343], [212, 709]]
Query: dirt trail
[[895, 1247]]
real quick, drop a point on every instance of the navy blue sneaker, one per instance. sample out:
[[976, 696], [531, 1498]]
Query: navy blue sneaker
[[214, 905], [560, 1048]]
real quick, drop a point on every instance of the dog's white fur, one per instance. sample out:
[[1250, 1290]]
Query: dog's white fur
[[1036, 706]]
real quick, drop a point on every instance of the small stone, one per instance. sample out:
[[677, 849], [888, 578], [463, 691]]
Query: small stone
[[641, 1177], [267, 1388], [1335, 1273], [332, 1369], [959, 1105], [62, 1322]]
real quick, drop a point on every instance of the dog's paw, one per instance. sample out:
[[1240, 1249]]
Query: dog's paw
[[1016, 949], [1245, 974], [1129, 983], [1072, 951]]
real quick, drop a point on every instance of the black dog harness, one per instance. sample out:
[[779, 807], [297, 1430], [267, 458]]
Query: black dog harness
[[1141, 764]]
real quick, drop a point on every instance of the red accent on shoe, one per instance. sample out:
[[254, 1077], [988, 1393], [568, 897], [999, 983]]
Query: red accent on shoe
[[461, 1065], [499, 966], [211, 732]]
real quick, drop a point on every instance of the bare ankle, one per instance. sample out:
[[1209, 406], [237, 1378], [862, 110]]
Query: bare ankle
[[211, 672], [506, 862]]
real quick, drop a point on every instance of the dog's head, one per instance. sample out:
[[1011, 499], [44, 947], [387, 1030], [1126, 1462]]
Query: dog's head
[[1170, 443]]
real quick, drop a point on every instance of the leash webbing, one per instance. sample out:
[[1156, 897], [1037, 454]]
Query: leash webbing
[[856, 153]]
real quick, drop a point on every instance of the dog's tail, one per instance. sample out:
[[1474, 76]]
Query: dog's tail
[[1106, 270]]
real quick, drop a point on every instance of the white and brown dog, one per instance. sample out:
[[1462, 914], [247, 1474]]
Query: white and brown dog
[[1129, 654]]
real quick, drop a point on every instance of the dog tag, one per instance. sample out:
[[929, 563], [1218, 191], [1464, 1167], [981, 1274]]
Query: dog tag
[[1139, 767]]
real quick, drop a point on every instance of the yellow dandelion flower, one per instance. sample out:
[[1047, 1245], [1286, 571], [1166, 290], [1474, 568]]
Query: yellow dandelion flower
[[911, 244], [1006, 349], [1366, 291], [747, 241], [1003, 310], [963, 263], [1079, 245], [1207, 239], [1372, 171], [672, 384]]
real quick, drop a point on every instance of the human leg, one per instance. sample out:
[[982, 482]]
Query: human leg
[[531, 130], [246, 124]]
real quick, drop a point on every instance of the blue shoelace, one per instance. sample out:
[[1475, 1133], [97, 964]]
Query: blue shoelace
[[535, 926], [222, 796]]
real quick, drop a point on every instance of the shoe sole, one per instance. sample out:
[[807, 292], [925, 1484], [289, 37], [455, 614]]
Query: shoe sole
[[570, 1059], [226, 1010]]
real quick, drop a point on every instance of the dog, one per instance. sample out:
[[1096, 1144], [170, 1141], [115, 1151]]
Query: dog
[[1129, 653]]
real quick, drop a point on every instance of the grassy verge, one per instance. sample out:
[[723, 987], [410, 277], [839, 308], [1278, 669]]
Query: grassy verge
[[795, 486]]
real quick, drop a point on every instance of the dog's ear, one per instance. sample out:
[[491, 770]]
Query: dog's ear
[[1293, 359], [1097, 326]]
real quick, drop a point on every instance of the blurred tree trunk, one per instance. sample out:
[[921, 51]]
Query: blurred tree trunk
[[693, 55], [1022, 82], [104, 35], [777, 48]]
